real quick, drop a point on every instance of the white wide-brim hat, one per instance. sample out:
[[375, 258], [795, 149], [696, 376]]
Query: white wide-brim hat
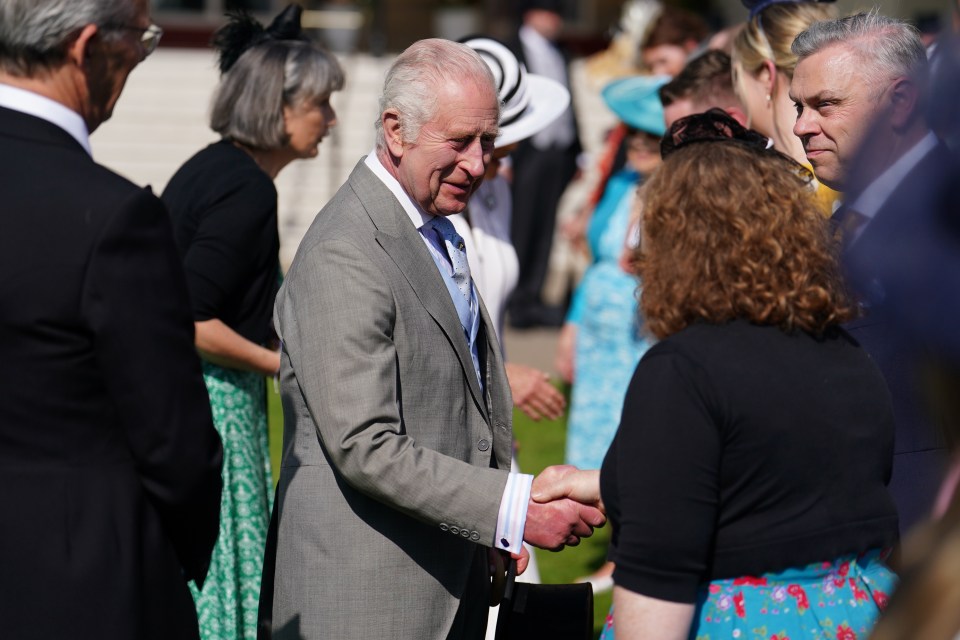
[[529, 103]]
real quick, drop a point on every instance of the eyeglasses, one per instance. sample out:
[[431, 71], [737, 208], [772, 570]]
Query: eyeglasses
[[149, 36]]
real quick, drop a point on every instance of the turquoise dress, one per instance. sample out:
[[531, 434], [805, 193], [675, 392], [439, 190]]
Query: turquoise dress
[[609, 338], [838, 599]]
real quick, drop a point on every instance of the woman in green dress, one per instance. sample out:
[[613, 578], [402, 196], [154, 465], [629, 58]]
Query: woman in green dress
[[272, 106]]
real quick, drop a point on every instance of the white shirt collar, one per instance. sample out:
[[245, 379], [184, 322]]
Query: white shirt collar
[[417, 216], [878, 191], [42, 107]]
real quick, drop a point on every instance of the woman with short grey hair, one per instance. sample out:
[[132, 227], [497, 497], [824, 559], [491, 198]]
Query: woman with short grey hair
[[272, 107]]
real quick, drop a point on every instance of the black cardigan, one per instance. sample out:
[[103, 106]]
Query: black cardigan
[[224, 210], [744, 450]]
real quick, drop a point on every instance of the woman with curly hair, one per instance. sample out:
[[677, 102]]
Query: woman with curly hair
[[747, 481]]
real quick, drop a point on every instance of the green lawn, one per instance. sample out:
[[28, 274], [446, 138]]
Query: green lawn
[[540, 445]]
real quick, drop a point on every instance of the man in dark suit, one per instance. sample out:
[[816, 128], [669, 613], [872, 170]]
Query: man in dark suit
[[862, 127], [543, 166], [109, 462]]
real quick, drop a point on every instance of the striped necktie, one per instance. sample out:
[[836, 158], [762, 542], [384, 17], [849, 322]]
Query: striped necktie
[[456, 251]]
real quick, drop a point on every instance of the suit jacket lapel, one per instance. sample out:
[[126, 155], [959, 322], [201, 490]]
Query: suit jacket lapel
[[403, 243]]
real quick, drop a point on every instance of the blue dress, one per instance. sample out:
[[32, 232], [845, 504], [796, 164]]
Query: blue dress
[[609, 340], [833, 600]]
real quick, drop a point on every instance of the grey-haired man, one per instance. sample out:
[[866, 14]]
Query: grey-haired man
[[858, 87], [109, 461]]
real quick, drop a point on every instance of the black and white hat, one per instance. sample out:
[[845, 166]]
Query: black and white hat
[[529, 102]]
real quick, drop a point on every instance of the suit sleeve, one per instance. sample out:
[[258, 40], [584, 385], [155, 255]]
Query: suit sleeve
[[336, 317], [136, 303]]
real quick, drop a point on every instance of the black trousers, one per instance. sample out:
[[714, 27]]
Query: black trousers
[[539, 179]]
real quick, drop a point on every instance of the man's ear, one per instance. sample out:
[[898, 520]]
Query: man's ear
[[80, 48], [392, 132], [903, 101]]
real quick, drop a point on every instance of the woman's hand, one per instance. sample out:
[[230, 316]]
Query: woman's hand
[[533, 394], [566, 481], [221, 345]]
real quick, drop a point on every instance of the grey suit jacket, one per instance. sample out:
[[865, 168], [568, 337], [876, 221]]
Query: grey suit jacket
[[394, 459]]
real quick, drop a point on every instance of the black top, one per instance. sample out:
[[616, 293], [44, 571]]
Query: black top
[[224, 210], [744, 450]]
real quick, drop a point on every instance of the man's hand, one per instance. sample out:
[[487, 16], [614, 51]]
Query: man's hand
[[563, 521]]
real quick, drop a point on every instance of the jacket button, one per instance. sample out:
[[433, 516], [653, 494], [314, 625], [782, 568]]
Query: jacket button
[[455, 530], [443, 527], [483, 445], [474, 536], [464, 533]]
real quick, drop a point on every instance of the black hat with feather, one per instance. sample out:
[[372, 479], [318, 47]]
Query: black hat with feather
[[243, 32]]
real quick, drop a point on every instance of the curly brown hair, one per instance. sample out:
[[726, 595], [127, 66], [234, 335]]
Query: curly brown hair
[[734, 232]]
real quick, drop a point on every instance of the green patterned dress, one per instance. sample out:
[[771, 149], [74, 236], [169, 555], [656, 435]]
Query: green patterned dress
[[227, 604], [224, 210]]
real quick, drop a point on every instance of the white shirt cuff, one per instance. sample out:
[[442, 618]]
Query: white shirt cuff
[[513, 512]]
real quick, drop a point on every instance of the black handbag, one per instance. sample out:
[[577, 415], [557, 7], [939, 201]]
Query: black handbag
[[555, 611]]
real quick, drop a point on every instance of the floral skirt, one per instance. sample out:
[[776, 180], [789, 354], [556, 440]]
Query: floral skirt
[[837, 600], [227, 606]]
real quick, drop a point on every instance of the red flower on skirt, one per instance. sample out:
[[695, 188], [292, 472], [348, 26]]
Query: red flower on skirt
[[797, 592], [738, 605], [845, 633], [880, 598], [858, 593], [750, 581], [776, 637], [842, 571]]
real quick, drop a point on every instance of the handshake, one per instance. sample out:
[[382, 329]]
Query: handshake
[[564, 507]]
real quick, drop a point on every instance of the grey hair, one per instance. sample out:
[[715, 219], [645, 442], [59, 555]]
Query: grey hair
[[35, 34], [410, 86], [887, 48], [248, 103]]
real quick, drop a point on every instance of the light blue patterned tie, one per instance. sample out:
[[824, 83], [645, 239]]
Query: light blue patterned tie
[[457, 252]]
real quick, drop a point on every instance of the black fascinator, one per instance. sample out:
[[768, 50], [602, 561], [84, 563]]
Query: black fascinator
[[243, 32], [756, 6], [716, 125]]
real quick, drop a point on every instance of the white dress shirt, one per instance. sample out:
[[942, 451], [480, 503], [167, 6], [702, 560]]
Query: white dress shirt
[[50, 110]]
